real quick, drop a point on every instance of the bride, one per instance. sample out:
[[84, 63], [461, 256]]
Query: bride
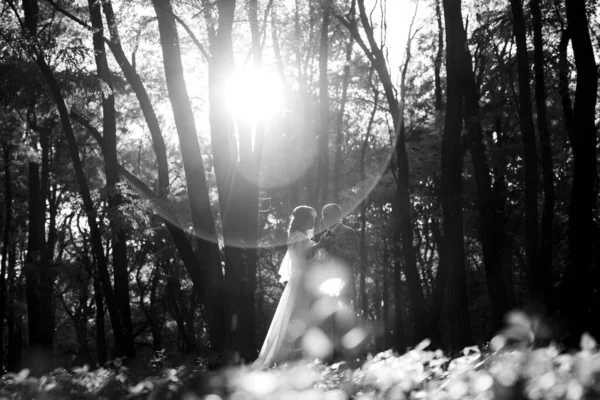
[[282, 342]]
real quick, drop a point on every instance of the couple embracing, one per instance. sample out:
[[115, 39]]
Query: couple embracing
[[320, 286]]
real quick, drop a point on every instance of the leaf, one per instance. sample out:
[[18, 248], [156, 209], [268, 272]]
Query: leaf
[[22, 375]]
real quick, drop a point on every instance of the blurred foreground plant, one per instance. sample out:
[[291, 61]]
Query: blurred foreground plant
[[509, 368]]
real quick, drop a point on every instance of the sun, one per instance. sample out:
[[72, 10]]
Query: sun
[[254, 95]]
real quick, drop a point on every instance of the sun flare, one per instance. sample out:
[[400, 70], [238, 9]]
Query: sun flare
[[254, 95]]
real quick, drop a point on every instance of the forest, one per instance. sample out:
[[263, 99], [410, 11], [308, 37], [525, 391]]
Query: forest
[[152, 153]]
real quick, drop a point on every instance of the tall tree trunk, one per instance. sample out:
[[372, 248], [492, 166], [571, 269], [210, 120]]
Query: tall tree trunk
[[405, 226], [295, 186], [544, 285], [30, 9], [537, 273], [400, 342], [204, 228], [437, 303], [99, 318], [402, 203], [439, 57], [156, 319], [364, 303], [563, 81], [237, 183], [339, 137], [497, 275], [6, 244], [39, 298], [142, 95], [188, 314], [386, 297], [578, 280], [323, 169], [88, 206], [180, 238], [223, 143], [12, 320], [452, 263], [111, 168]]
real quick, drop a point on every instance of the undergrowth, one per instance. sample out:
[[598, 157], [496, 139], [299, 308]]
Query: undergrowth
[[504, 370]]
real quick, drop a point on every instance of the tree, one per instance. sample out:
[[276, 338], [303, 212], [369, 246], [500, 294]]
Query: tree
[[538, 274], [5, 300], [38, 281], [237, 183], [323, 136], [207, 251], [490, 218], [544, 283], [401, 204], [29, 28], [111, 168], [452, 265], [578, 282]]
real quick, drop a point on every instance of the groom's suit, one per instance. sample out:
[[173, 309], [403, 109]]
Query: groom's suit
[[342, 246]]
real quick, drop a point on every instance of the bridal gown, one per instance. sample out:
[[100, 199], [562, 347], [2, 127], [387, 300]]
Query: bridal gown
[[282, 342]]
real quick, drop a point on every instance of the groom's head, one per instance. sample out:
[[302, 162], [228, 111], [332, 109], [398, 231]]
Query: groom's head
[[332, 214]]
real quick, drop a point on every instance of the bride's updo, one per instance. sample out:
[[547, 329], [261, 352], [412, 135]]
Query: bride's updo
[[300, 215]]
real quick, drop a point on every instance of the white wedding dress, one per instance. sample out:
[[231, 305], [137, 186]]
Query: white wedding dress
[[282, 341]]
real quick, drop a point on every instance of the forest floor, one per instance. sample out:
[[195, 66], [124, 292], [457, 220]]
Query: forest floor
[[520, 372]]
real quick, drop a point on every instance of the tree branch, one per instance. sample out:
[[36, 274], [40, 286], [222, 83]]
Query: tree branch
[[190, 33], [69, 15], [162, 205]]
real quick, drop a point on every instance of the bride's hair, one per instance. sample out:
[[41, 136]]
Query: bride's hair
[[299, 216]]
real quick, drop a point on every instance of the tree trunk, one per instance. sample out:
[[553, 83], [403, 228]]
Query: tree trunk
[[204, 228], [40, 310], [220, 69], [439, 57], [156, 319], [6, 301], [188, 313], [578, 280], [323, 138], [13, 322], [364, 303], [100, 330], [180, 238], [497, 275], [402, 203], [237, 184], [339, 137], [88, 206], [452, 263], [563, 81], [439, 289], [140, 91], [544, 285], [178, 306], [400, 343], [538, 275], [111, 164], [386, 298]]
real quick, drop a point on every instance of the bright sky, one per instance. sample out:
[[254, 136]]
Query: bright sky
[[399, 16]]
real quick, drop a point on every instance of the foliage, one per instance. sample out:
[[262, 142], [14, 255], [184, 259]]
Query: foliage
[[503, 370]]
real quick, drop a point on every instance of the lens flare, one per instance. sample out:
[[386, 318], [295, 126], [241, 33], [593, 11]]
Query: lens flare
[[332, 287], [254, 95]]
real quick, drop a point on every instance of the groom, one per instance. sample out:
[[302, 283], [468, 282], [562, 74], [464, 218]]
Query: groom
[[340, 243], [341, 247]]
